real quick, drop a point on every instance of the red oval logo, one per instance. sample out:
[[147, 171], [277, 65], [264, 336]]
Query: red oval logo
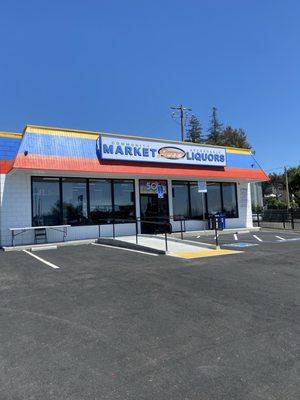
[[172, 153]]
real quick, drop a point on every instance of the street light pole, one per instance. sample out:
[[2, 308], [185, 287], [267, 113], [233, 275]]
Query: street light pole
[[287, 189]]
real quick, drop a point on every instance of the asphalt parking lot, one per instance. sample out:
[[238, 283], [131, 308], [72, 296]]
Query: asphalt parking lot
[[114, 324], [244, 240]]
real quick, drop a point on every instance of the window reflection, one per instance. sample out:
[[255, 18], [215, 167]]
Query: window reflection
[[214, 201], [181, 200], [229, 199], [197, 201], [124, 204], [101, 209], [45, 202], [189, 203], [74, 192]]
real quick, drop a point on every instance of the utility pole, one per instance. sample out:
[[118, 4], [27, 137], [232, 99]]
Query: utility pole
[[287, 188], [182, 110]]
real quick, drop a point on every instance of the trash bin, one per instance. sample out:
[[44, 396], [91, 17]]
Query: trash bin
[[217, 220], [221, 221]]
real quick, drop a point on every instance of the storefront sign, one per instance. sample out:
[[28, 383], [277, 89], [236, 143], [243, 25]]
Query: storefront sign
[[117, 148], [202, 187], [153, 187]]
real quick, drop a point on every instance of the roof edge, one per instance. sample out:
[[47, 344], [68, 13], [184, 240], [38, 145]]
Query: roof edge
[[45, 128], [10, 134]]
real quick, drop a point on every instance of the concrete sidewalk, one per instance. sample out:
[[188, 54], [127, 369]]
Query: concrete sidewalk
[[174, 248]]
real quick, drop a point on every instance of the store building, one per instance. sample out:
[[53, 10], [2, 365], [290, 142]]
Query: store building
[[53, 176]]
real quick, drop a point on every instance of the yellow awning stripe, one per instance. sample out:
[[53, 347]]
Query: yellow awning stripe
[[11, 135]]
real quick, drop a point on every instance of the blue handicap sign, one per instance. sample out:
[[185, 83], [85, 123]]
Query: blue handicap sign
[[160, 191]]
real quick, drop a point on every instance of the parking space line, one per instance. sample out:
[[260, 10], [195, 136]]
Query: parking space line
[[257, 238], [124, 248], [280, 238], [41, 259]]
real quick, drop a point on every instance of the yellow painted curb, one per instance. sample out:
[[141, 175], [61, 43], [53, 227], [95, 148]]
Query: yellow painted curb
[[203, 253]]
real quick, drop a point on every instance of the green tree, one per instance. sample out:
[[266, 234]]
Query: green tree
[[274, 185], [194, 133], [215, 129], [276, 204], [294, 182], [234, 138]]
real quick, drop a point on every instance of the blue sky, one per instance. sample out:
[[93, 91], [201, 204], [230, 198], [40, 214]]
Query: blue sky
[[118, 66]]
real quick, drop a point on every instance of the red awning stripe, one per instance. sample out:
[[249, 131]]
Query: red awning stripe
[[52, 163], [6, 166]]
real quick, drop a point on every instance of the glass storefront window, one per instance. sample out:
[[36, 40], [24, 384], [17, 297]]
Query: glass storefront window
[[45, 201], [214, 200], [78, 201], [124, 202], [197, 201], [229, 199], [74, 195], [101, 209], [181, 200]]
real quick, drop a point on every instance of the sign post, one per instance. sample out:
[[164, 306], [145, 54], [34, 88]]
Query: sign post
[[216, 233], [202, 188]]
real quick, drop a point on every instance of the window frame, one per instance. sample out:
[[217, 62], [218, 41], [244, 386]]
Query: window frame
[[144, 194], [206, 199], [236, 199], [88, 221], [113, 198], [87, 183], [187, 183], [221, 197], [60, 195]]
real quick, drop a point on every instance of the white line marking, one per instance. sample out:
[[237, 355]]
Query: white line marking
[[202, 243], [280, 238], [235, 237], [124, 248], [41, 260], [290, 240], [257, 238]]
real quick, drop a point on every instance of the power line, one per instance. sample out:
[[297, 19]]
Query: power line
[[183, 110]]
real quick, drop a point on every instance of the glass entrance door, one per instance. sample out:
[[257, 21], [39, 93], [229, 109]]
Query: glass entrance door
[[154, 204]]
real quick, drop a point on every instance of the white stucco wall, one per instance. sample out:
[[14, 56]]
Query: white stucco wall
[[15, 195], [15, 205]]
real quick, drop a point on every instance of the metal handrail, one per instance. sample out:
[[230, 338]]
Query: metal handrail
[[136, 221]]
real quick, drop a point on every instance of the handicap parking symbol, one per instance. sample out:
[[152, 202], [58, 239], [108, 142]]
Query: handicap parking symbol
[[241, 244]]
